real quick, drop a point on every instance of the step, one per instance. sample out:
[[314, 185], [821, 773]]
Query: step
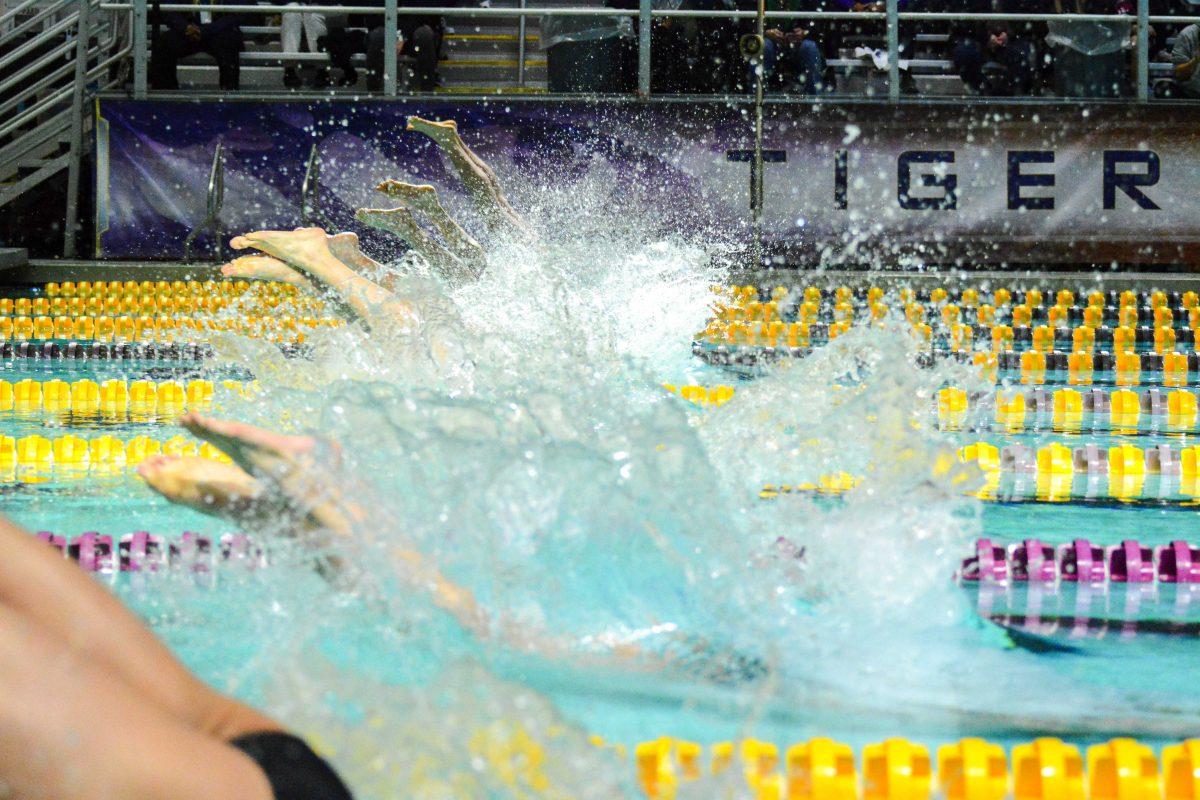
[[531, 62], [490, 89]]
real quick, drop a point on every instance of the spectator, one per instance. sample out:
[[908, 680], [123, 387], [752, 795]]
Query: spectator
[[790, 42], [343, 38], [1186, 58], [715, 62], [295, 25], [872, 31], [187, 33], [420, 38], [993, 58]]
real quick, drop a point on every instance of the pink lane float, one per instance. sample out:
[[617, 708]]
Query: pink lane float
[[144, 552], [1081, 561]]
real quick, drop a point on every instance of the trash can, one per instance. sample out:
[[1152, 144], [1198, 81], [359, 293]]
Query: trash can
[[1090, 58], [584, 54]]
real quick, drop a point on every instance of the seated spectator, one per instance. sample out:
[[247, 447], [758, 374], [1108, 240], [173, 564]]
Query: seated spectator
[[791, 43], [871, 31], [420, 38], [343, 38], [715, 62], [187, 33], [1186, 58], [295, 25], [993, 58]]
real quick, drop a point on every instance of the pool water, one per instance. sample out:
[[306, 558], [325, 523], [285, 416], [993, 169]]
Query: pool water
[[617, 534]]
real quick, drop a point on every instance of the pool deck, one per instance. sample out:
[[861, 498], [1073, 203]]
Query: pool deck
[[16, 270]]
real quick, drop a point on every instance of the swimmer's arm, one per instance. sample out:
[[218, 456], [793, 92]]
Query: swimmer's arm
[[61, 599]]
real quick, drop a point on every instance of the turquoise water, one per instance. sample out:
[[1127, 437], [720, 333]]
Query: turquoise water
[[615, 535]]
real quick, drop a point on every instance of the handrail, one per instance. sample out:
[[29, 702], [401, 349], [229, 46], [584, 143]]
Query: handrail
[[37, 41], [71, 46], [44, 82], [33, 21], [929, 16], [16, 10]]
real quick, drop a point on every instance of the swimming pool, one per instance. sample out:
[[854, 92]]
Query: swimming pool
[[550, 471]]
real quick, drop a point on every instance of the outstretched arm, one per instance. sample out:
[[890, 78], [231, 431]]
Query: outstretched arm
[[62, 600]]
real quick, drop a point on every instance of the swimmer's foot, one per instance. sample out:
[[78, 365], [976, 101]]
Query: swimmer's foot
[[264, 268], [287, 463], [399, 221], [253, 449], [345, 248], [421, 197], [211, 487], [444, 133], [424, 199], [304, 248], [343, 245]]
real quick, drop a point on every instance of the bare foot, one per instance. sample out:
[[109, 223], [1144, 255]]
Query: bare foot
[[286, 463], [343, 245], [444, 133], [252, 449], [423, 197], [264, 268], [208, 486], [399, 221], [303, 248]]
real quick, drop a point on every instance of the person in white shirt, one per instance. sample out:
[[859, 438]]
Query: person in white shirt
[[307, 24]]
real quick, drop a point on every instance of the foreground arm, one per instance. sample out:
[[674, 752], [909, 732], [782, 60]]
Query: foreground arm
[[73, 608]]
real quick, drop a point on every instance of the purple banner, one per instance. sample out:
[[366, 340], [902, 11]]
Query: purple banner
[[155, 157], [877, 184]]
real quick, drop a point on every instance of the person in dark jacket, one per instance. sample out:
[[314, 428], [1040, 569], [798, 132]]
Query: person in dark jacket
[[420, 38], [182, 34], [995, 57]]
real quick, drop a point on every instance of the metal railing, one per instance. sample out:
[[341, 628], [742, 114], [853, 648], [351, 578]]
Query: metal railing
[[53, 55], [892, 18]]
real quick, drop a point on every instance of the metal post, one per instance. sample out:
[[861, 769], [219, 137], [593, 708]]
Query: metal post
[[391, 36], [521, 46], [893, 49], [756, 171], [83, 31], [644, 22], [1143, 50], [139, 49], [310, 192]]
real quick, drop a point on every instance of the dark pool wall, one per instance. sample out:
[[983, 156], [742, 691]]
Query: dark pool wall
[[844, 184]]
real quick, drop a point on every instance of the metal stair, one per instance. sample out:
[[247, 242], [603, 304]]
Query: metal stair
[[44, 86]]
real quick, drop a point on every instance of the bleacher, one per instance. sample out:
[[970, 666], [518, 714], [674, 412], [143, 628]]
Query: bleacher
[[480, 56]]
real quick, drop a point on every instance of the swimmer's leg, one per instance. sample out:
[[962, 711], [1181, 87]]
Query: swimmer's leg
[[424, 199], [400, 221], [72, 730], [59, 600], [308, 250], [479, 179]]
